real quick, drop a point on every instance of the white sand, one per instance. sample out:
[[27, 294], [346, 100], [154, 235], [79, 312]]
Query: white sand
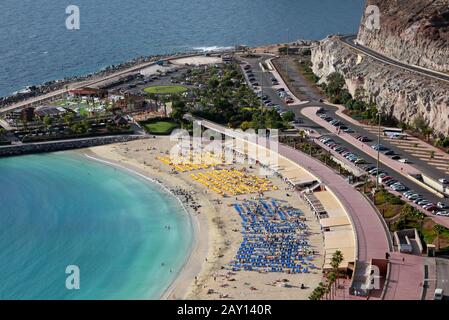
[[218, 233]]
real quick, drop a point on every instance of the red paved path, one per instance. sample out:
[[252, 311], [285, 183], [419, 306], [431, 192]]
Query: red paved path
[[372, 241]]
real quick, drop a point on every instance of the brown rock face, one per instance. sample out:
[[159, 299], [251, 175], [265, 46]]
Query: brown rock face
[[411, 31], [398, 93]]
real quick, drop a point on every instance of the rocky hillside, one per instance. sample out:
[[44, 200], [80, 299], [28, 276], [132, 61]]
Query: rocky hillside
[[401, 94], [412, 31]]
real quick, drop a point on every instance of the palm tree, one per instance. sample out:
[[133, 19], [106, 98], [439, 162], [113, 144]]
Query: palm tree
[[318, 292], [427, 132], [321, 290], [327, 291], [337, 259], [332, 277], [438, 231], [314, 295], [302, 134]]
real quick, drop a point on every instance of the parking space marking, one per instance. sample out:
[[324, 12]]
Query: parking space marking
[[439, 161]]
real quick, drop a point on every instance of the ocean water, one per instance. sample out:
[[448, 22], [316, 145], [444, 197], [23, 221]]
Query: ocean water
[[62, 209], [36, 46]]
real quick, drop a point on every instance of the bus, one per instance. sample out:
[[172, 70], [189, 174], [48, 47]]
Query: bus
[[394, 133]]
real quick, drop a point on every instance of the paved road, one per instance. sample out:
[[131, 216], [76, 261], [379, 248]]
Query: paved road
[[138, 133], [82, 84], [307, 123], [349, 40], [443, 275]]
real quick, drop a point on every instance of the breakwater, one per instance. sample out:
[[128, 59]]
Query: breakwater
[[22, 149]]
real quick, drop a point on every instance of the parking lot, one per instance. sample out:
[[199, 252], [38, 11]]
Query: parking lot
[[271, 95], [425, 200], [266, 85]]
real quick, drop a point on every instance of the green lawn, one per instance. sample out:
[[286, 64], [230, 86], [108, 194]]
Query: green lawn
[[165, 89], [160, 127]]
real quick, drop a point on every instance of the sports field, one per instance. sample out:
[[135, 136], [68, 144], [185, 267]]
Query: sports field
[[159, 127], [165, 89]]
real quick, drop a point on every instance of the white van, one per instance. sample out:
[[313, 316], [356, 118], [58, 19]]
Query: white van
[[438, 295]]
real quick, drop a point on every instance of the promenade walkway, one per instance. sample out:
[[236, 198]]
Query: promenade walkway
[[406, 277], [405, 280], [371, 236], [372, 241]]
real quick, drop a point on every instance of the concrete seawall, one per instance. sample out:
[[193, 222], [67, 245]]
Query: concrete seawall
[[17, 150]]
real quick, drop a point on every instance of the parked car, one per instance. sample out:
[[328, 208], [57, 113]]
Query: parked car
[[438, 294], [443, 181], [388, 152], [391, 182], [442, 205]]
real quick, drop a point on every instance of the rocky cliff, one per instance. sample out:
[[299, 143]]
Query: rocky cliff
[[399, 93], [411, 31]]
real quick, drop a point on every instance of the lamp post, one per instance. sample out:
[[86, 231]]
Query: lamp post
[[288, 49], [262, 76], [378, 152]]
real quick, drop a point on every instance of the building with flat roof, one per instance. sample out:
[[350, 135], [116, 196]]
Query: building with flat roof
[[51, 111], [337, 228]]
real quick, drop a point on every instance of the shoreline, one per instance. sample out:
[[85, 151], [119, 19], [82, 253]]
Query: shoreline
[[39, 89], [178, 288], [217, 236]]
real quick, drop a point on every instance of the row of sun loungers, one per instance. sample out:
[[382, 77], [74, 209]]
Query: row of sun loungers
[[274, 239], [233, 182]]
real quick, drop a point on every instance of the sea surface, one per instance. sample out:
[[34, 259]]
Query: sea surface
[[35, 45], [61, 209]]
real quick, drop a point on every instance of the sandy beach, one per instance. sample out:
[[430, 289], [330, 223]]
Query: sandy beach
[[217, 228]]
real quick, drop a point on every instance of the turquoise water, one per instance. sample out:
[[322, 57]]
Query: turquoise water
[[62, 209]]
